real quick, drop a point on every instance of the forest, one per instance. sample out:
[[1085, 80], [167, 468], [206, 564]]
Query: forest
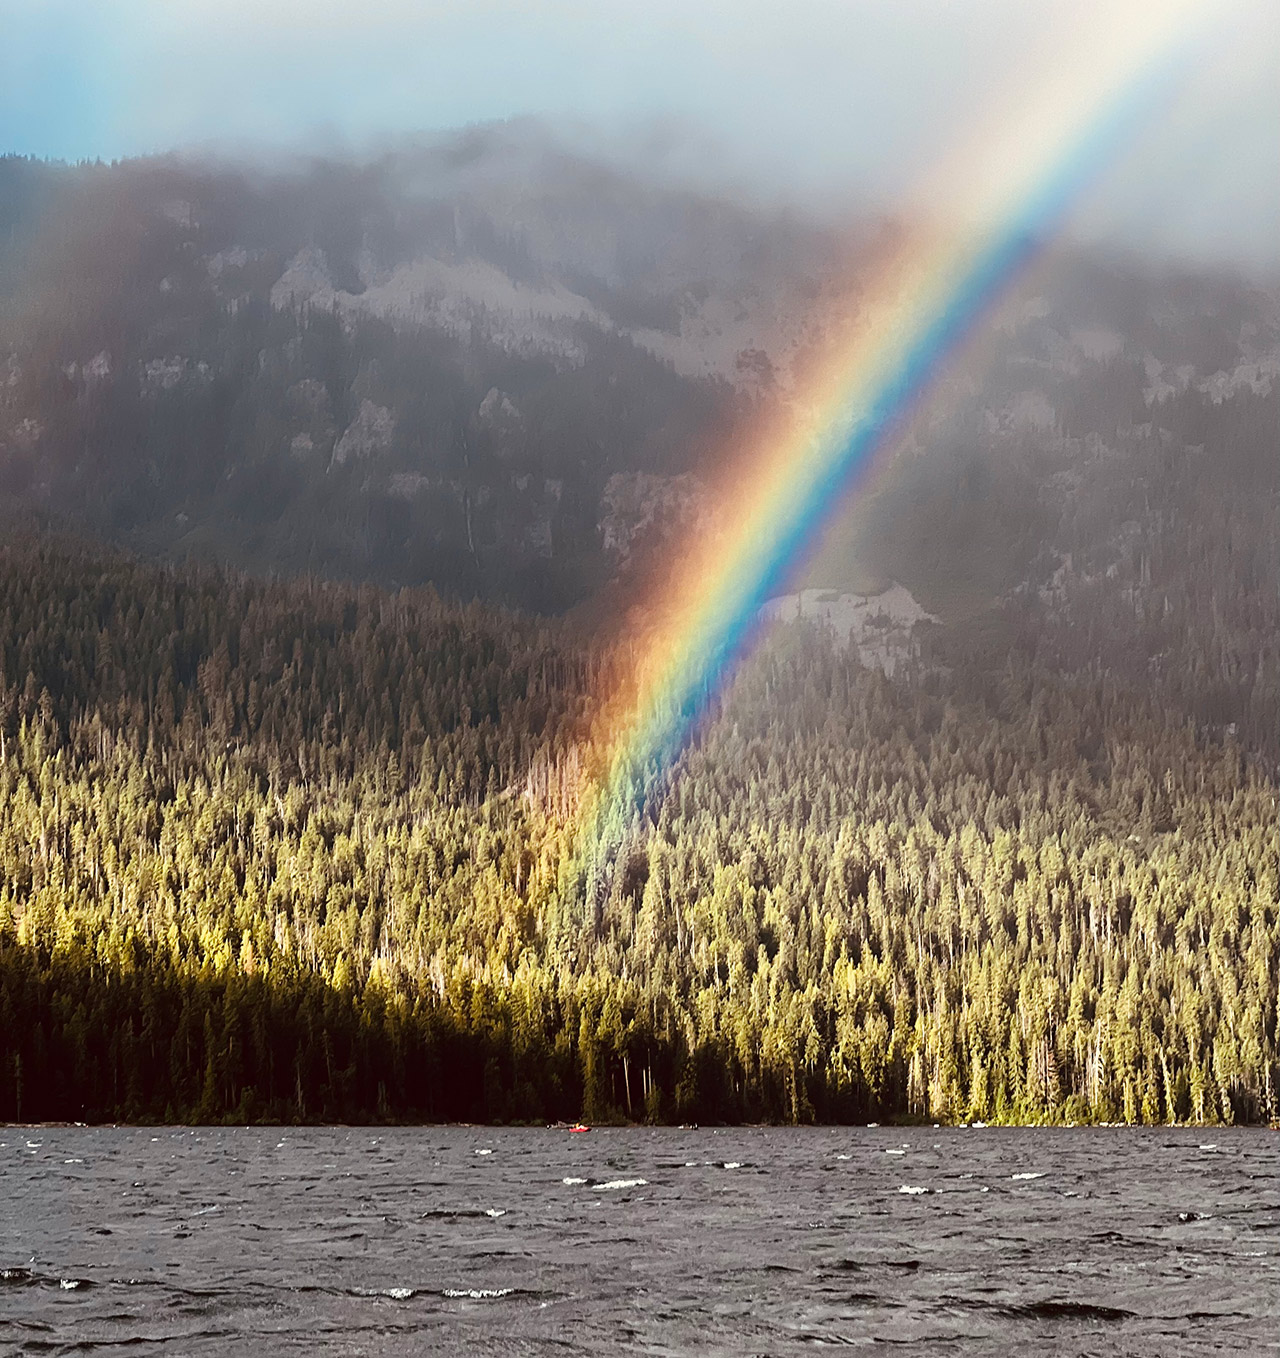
[[298, 843], [294, 850]]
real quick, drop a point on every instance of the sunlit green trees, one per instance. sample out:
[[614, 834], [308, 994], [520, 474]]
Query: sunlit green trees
[[293, 851]]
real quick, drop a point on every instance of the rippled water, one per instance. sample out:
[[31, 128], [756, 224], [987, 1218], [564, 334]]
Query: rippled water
[[743, 1241]]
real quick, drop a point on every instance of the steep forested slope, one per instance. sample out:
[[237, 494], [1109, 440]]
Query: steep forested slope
[[296, 851]]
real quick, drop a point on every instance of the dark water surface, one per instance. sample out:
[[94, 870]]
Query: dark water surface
[[745, 1241]]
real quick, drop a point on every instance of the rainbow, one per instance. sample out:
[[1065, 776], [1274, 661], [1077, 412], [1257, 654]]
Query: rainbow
[[1005, 191]]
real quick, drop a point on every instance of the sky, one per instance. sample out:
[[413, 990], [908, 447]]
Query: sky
[[823, 102]]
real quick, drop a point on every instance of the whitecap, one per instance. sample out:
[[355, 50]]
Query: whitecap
[[399, 1293], [844, 1157], [620, 1183], [893, 1151], [912, 1188], [495, 1211], [1212, 1147], [73, 1162], [477, 1293], [570, 1182], [728, 1164], [482, 1150], [1026, 1176], [72, 1284]]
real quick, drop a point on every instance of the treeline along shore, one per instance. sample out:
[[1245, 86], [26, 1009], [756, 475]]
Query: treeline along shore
[[295, 851]]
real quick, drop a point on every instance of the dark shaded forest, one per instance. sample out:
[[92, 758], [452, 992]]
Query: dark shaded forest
[[293, 851]]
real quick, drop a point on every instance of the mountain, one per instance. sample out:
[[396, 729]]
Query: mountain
[[425, 368], [490, 364]]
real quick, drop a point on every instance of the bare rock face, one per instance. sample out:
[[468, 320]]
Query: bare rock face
[[880, 626], [499, 412], [370, 432], [305, 279], [162, 374], [537, 537], [408, 485], [165, 373], [26, 433], [87, 375], [307, 398], [639, 505], [227, 261]]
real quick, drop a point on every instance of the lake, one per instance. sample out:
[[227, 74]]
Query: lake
[[510, 1241]]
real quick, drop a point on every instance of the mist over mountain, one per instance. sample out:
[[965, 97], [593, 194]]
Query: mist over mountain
[[489, 363]]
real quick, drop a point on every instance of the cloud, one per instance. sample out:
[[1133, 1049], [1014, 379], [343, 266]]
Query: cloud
[[817, 98]]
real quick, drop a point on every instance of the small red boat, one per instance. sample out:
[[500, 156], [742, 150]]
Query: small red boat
[[579, 1127]]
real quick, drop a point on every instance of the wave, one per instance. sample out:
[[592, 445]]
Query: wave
[[858, 1266], [1050, 1308], [24, 1277], [477, 1293], [1072, 1310]]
